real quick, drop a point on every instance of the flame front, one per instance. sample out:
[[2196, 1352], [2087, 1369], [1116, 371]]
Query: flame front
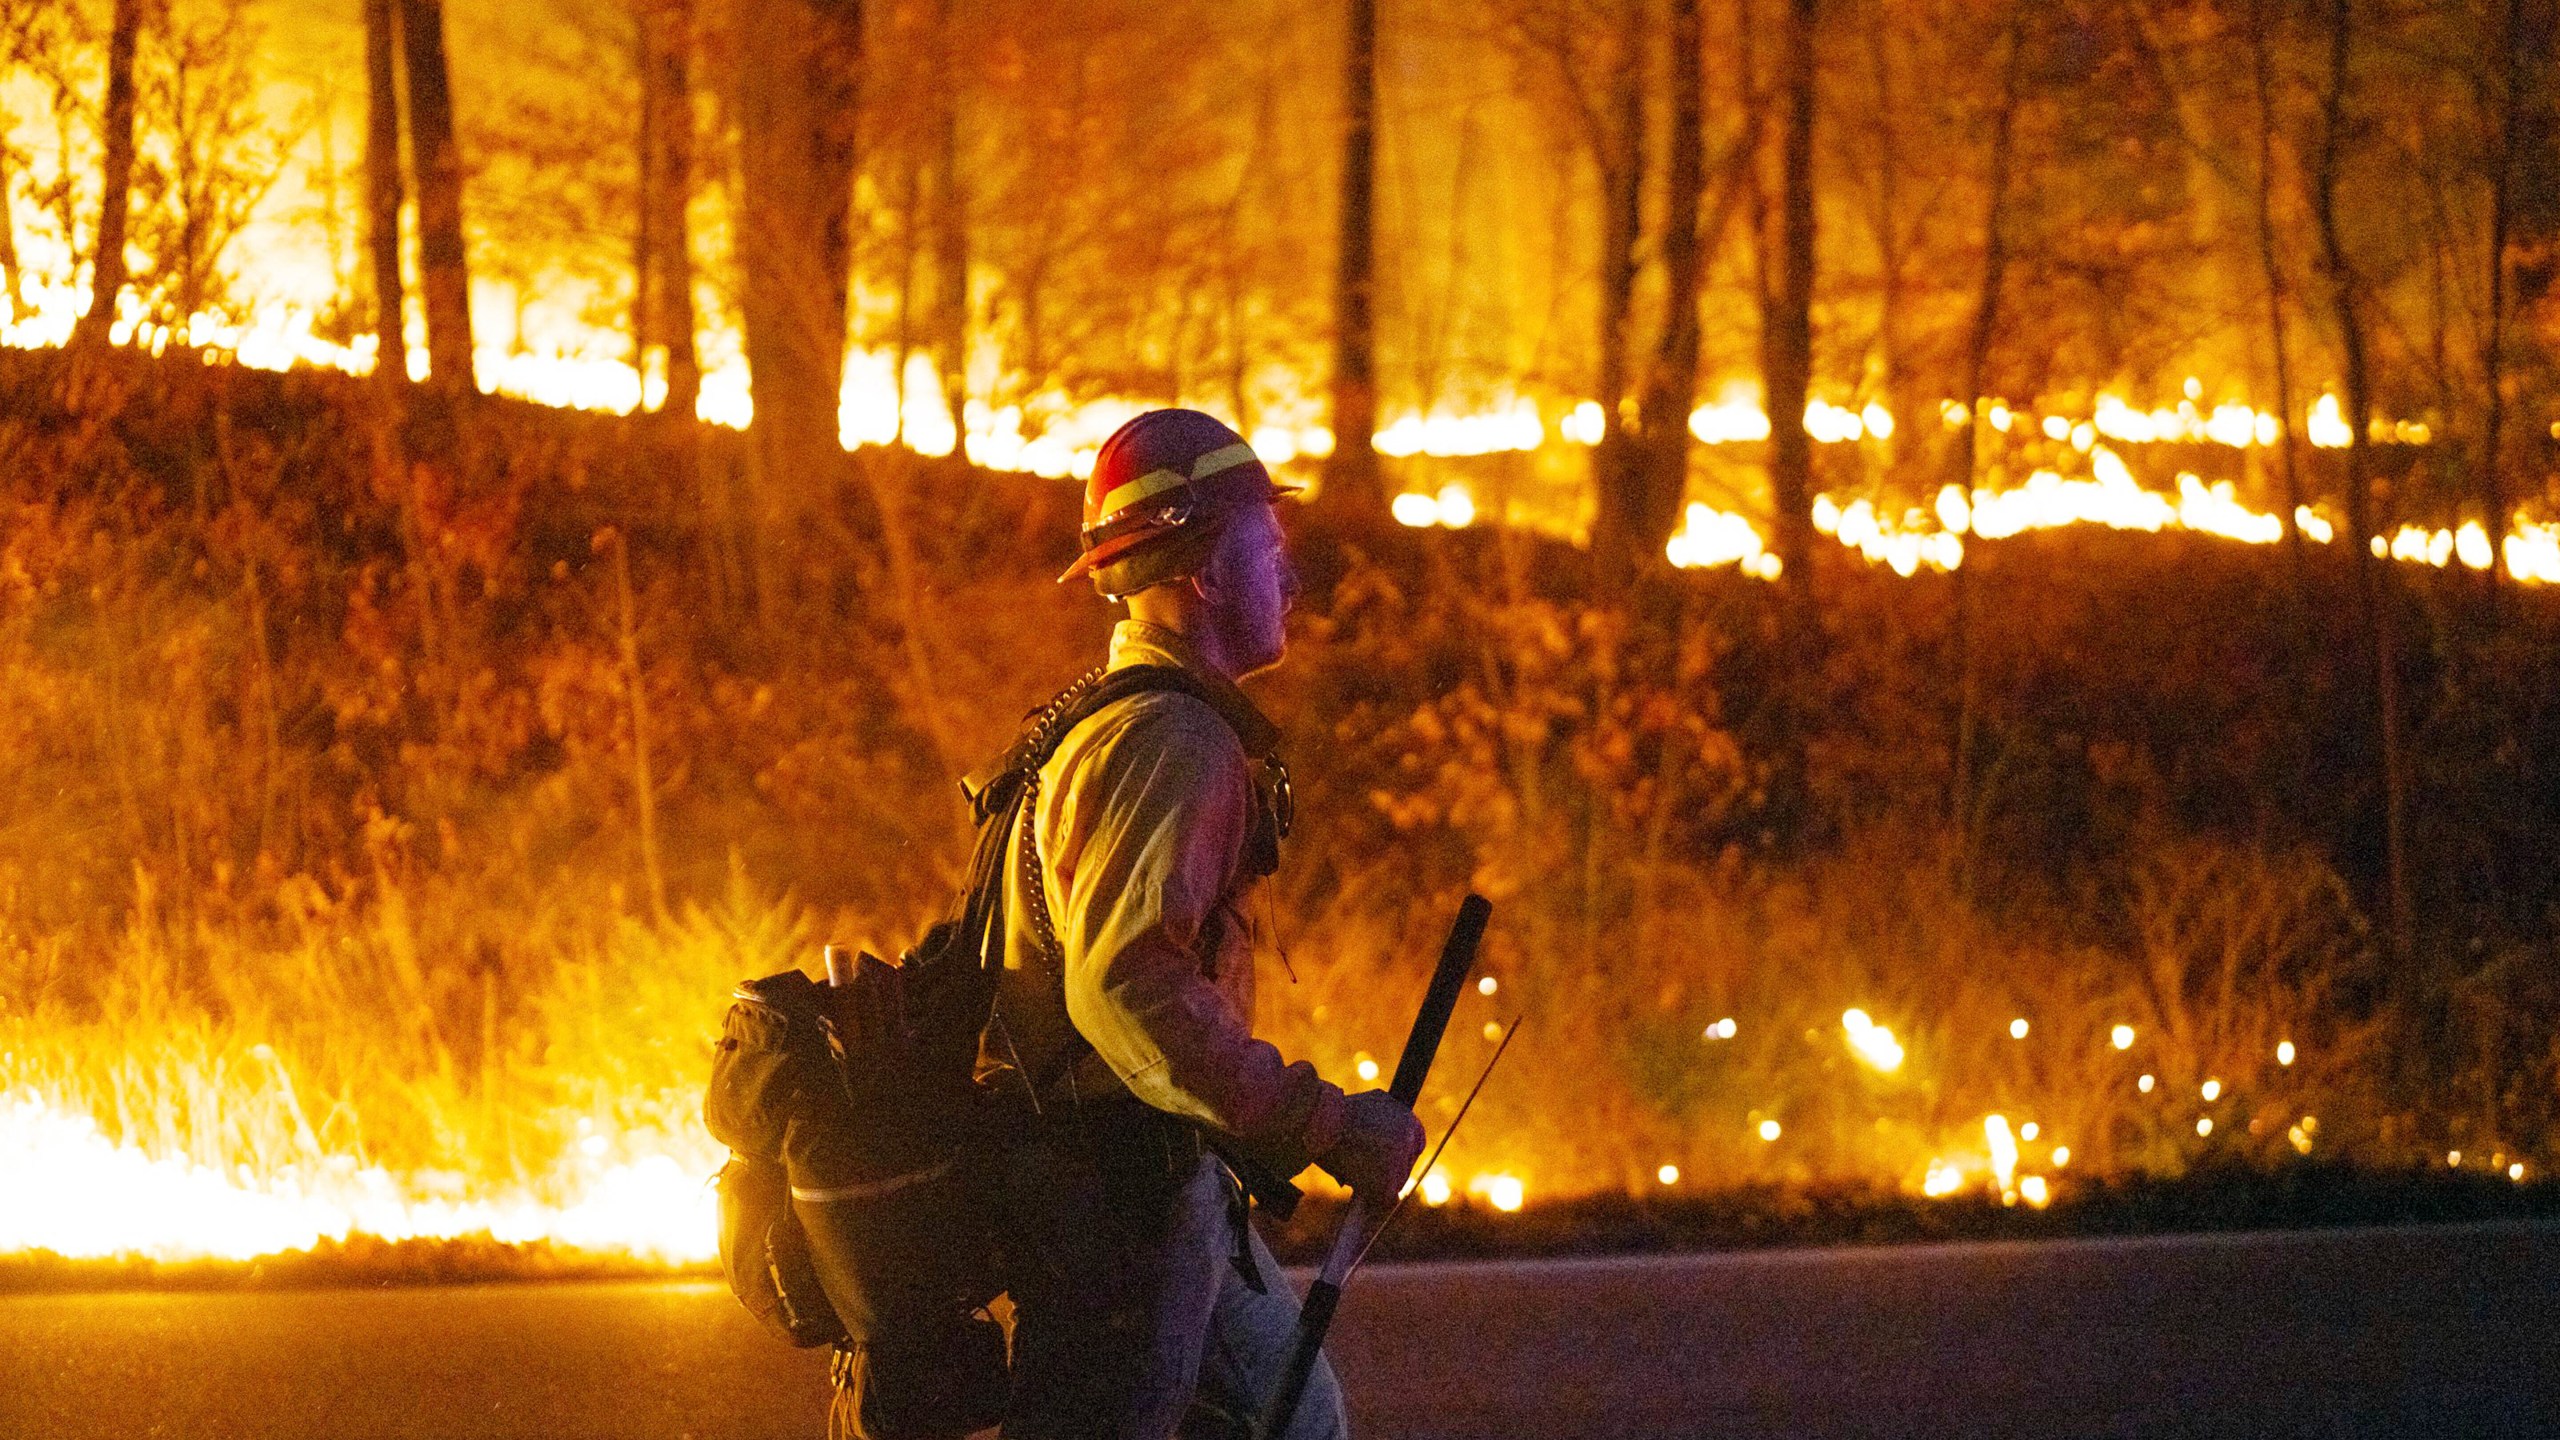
[[66, 1187]]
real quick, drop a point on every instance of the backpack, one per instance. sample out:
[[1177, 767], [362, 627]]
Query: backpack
[[856, 1206]]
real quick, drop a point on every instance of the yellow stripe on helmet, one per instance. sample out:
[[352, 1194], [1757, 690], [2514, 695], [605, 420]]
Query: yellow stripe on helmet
[[1218, 460], [1154, 482]]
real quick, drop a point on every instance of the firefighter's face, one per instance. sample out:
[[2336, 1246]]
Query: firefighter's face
[[1250, 586]]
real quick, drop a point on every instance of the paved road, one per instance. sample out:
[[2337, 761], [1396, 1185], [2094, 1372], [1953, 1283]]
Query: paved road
[[2452, 1331]]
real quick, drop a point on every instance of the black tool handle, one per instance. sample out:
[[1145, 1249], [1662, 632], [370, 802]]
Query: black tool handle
[[1315, 1317], [1457, 957]]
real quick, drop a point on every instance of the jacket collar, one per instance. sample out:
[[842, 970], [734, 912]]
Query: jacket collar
[[1136, 642]]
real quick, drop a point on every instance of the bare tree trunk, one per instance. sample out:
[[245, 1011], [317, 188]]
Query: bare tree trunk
[[1995, 247], [795, 95], [644, 209], [664, 294], [1891, 257], [2372, 575], [2493, 358], [2288, 458], [9, 236], [1786, 329], [1661, 472], [115, 199], [382, 190], [951, 241], [1616, 465], [1977, 369], [675, 198], [1351, 478], [435, 160]]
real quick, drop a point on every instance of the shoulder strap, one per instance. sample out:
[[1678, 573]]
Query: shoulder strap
[[994, 789], [996, 793]]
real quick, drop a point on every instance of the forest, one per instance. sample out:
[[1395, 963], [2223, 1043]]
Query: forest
[[515, 516]]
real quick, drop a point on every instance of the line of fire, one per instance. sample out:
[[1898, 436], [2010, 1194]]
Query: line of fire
[[1972, 578]]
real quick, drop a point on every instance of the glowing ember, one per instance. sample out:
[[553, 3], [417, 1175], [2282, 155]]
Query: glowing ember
[[2004, 1151], [1454, 507], [1871, 1042]]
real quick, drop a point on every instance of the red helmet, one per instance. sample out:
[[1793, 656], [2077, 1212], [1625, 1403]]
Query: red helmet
[[1159, 486]]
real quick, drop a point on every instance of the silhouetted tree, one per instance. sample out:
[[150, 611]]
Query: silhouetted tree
[[2510, 67], [2373, 578], [663, 316], [1351, 477], [115, 198], [1786, 327], [1659, 477], [1984, 329], [951, 230], [383, 188], [1618, 144], [435, 163], [798, 71], [2262, 44]]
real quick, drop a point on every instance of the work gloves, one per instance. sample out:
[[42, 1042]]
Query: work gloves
[[1380, 1140]]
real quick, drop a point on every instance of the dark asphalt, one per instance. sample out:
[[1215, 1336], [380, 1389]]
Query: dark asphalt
[[2422, 1332]]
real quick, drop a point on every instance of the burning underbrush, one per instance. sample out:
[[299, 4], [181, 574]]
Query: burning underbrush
[[388, 800]]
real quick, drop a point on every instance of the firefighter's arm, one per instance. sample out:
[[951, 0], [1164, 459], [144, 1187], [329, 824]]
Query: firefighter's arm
[[1163, 810]]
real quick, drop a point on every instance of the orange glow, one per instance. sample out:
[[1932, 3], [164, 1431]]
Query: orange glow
[[1871, 1042], [2004, 1151], [66, 1187]]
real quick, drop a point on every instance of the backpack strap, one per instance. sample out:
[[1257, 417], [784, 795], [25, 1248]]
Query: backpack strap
[[996, 787]]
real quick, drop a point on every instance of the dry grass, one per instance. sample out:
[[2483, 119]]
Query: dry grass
[[319, 838]]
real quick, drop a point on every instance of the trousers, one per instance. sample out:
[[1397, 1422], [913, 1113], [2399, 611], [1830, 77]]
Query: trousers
[[1145, 1308]]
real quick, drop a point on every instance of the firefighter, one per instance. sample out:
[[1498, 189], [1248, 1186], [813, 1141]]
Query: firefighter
[[1145, 1305]]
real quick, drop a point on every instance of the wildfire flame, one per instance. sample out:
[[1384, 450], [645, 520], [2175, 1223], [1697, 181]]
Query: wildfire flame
[[68, 1188]]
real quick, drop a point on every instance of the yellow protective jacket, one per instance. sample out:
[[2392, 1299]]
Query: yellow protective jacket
[[1142, 818]]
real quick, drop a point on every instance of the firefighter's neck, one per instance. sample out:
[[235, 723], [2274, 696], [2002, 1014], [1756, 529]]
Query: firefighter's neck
[[1189, 610]]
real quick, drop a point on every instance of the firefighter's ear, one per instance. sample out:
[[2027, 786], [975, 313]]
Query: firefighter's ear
[[1209, 581]]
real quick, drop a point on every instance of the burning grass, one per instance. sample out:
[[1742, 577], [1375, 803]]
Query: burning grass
[[330, 908]]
